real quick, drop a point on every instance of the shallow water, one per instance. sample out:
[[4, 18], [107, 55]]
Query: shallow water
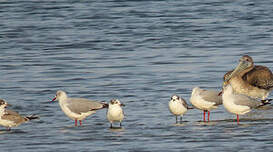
[[141, 52]]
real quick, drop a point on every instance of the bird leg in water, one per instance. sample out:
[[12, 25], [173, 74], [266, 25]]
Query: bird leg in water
[[76, 121], [238, 119], [175, 119], [180, 119], [204, 117], [80, 122], [208, 116]]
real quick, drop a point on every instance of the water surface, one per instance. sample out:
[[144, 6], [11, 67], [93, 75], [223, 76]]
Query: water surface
[[141, 52]]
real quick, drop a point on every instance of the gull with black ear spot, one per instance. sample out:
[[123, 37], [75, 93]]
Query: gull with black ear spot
[[178, 107], [115, 112], [9, 118]]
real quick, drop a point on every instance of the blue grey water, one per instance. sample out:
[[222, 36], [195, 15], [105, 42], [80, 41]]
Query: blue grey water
[[141, 52]]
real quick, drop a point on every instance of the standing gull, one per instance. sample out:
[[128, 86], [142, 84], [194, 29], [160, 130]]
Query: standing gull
[[115, 112], [205, 100], [239, 104], [250, 80], [77, 108], [178, 106], [9, 118]]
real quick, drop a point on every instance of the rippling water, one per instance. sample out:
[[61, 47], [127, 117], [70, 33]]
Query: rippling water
[[140, 52]]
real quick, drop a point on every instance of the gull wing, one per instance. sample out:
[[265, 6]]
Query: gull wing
[[211, 96], [82, 105], [246, 101]]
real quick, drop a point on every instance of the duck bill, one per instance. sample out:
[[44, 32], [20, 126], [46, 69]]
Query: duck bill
[[122, 105], [242, 65]]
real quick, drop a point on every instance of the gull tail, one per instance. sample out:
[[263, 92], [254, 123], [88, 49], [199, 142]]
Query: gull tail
[[265, 102], [190, 107], [105, 105], [27, 118]]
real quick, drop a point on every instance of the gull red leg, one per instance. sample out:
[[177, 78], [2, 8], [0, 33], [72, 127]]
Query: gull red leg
[[208, 116], [80, 122], [238, 119], [76, 121], [204, 117]]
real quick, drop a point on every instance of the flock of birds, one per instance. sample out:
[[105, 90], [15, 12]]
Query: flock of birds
[[79, 108], [244, 88]]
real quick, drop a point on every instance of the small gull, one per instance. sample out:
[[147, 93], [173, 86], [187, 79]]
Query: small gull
[[205, 100], [115, 112], [178, 106], [77, 108], [9, 118]]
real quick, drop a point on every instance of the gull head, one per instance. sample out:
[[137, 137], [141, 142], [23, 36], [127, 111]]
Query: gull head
[[195, 91], [60, 95], [115, 102], [3, 103], [175, 98]]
